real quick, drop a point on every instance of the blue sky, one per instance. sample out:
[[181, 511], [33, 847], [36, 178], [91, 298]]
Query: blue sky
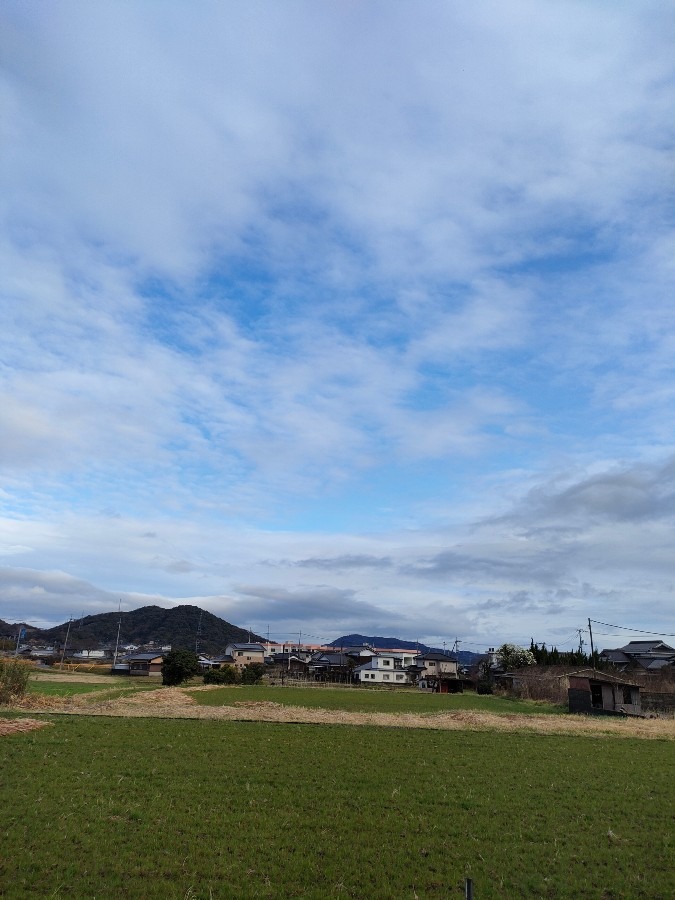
[[351, 316]]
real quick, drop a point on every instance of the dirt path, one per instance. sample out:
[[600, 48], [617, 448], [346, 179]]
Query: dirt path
[[177, 703]]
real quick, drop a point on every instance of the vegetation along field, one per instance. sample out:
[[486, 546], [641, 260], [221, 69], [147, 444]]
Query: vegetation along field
[[155, 808]]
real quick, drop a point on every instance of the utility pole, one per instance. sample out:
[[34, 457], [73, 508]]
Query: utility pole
[[580, 631], [65, 644], [22, 631], [590, 631], [119, 628]]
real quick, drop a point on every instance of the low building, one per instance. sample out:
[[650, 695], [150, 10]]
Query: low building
[[598, 693]]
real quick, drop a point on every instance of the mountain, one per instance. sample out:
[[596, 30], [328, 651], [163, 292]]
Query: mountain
[[177, 626], [465, 657], [384, 643]]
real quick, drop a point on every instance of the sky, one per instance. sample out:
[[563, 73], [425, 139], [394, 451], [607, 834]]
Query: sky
[[352, 316]]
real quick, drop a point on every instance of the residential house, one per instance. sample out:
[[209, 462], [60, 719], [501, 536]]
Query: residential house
[[439, 673], [331, 666], [91, 654], [289, 663], [149, 664], [245, 654], [647, 656], [391, 668]]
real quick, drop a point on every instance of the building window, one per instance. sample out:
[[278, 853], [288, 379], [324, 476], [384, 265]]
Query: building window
[[627, 696], [399, 677], [385, 677], [240, 652], [386, 662]]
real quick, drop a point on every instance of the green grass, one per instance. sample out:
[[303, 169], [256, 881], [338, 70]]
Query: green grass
[[365, 700], [116, 687], [64, 688], [133, 808]]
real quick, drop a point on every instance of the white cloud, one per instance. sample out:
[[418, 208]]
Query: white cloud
[[261, 260]]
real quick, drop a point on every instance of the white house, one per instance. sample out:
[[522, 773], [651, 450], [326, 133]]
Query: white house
[[384, 667]]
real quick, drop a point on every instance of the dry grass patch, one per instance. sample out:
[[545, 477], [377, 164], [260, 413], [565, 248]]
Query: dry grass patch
[[14, 726], [177, 703]]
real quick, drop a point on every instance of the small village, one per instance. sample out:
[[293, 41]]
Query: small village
[[636, 679]]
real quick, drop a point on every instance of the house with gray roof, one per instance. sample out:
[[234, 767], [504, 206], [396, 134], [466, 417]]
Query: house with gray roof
[[647, 656]]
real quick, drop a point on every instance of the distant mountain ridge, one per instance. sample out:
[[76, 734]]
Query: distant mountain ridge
[[178, 626], [466, 657]]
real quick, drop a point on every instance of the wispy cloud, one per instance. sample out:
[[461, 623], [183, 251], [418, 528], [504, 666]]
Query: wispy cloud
[[365, 292]]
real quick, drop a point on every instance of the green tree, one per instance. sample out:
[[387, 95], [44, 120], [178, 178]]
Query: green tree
[[178, 666], [252, 673], [510, 656]]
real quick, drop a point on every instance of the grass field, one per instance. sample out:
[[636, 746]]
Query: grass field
[[72, 684], [64, 688], [365, 700], [200, 809]]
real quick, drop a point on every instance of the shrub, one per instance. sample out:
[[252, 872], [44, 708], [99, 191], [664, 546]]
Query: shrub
[[252, 673], [13, 679], [226, 675]]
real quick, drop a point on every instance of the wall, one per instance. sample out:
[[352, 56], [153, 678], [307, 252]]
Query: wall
[[658, 702]]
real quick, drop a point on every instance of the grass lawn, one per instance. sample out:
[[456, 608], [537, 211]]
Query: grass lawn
[[146, 808], [365, 700]]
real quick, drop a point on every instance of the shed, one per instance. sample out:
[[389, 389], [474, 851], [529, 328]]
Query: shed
[[601, 694]]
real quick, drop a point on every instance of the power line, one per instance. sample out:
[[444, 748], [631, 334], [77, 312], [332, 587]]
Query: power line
[[635, 630]]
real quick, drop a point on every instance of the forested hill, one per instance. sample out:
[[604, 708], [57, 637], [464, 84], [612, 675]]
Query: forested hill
[[466, 657], [384, 643], [177, 626]]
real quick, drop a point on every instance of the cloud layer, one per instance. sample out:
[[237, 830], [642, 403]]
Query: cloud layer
[[356, 316]]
